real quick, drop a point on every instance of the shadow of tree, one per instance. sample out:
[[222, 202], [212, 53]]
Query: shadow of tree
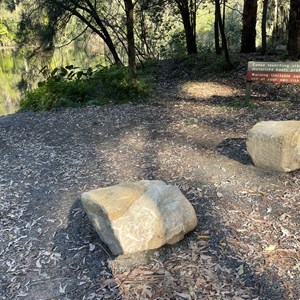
[[235, 148], [85, 258], [267, 285], [100, 140]]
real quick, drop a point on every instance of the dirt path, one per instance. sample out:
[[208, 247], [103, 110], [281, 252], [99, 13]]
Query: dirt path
[[247, 243]]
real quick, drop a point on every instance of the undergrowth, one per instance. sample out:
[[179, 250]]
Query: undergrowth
[[72, 87], [201, 66]]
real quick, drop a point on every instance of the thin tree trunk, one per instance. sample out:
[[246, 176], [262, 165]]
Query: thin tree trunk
[[216, 28], [223, 35], [143, 35], [294, 30], [249, 24], [129, 8], [193, 18], [223, 20], [264, 27], [189, 26]]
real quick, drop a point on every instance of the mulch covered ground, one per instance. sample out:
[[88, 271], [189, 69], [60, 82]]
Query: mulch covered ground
[[191, 134]]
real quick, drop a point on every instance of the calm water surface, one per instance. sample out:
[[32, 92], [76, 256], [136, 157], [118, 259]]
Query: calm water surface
[[18, 74]]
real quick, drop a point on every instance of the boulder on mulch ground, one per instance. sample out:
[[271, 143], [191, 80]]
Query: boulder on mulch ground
[[275, 145], [137, 216]]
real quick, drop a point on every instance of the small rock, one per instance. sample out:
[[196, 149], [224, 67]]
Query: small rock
[[137, 216]]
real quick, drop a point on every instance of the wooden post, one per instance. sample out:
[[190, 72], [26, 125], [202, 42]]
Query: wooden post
[[248, 91]]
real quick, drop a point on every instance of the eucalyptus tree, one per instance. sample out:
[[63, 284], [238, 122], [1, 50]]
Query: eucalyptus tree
[[138, 28], [221, 23], [43, 20], [264, 26], [249, 26], [129, 9], [188, 11], [155, 25]]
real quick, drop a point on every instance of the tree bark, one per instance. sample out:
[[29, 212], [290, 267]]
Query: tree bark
[[129, 8], [189, 22], [264, 27], [249, 23], [216, 28], [223, 35], [294, 30], [223, 20]]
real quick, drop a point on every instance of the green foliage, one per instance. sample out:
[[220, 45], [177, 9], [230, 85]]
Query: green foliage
[[72, 87], [9, 18], [148, 70], [3, 29], [56, 94], [6, 64], [176, 46], [6, 36], [233, 30]]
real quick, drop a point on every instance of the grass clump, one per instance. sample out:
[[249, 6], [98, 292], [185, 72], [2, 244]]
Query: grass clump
[[72, 87]]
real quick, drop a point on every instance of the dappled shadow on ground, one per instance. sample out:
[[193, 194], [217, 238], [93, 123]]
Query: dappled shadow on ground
[[235, 148], [200, 147], [180, 142], [209, 194], [203, 264], [200, 77], [226, 267], [85, 258]]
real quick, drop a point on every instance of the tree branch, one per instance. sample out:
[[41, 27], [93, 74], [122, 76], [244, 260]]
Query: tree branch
[[234, 9], [73, 39]]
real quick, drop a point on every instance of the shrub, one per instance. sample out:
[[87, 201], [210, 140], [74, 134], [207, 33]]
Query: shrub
[[176, 46], [72, 87]]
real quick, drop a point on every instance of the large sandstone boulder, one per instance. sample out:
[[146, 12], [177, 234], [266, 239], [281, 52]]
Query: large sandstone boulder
[[137, 216], [275, 145]]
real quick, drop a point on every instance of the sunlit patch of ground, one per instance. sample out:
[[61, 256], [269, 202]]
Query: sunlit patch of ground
[[205, 90]]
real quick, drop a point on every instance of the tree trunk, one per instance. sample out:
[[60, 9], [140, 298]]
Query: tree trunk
[[294, 30], [264, 27], [143, 34], [223, 35], [249, 23], [108, 41], [129, 8], [223, 20], [189, 23], [216, 28], [193, 16]]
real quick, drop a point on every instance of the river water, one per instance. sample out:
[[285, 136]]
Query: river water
[[17, 74]]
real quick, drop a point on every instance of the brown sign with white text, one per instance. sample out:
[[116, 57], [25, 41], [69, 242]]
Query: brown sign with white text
[[288, 72], [273, 77]]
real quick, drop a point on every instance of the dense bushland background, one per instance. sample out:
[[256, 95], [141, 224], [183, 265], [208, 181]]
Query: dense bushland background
[[125, 36]]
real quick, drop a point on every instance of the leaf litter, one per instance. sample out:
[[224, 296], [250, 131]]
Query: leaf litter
[[246, 245]]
